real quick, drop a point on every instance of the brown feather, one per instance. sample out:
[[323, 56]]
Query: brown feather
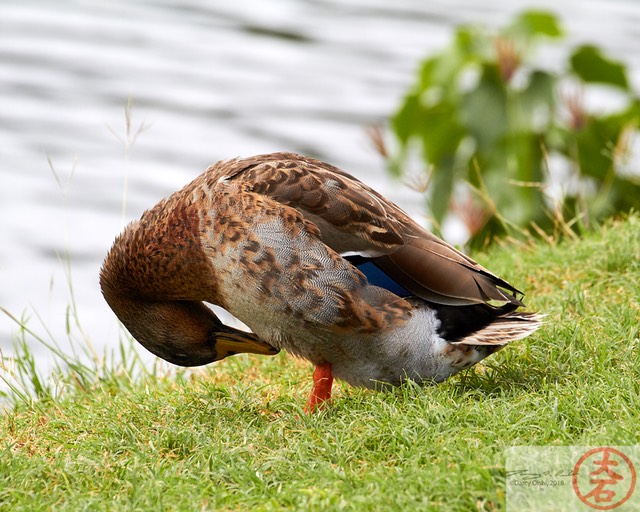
[[438, 273], [353, 218]]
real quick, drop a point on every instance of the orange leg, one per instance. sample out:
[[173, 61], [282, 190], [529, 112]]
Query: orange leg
[[321, 392]]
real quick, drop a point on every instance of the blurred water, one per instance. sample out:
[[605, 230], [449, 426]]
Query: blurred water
[[207, 82]]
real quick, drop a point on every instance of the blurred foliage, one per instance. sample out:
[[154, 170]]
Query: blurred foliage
[[508, 142]]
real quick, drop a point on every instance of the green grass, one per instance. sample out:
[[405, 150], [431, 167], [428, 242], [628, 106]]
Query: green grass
[[234, 437]]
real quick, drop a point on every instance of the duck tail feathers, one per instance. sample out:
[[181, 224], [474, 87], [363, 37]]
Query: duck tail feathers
[[505, 329]]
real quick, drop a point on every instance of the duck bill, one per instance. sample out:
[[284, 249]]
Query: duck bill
[[229, 344]]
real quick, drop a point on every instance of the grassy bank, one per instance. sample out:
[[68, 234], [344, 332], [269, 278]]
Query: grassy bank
[[233, 436]]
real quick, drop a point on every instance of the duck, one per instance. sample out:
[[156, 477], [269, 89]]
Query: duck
[[314, 262]]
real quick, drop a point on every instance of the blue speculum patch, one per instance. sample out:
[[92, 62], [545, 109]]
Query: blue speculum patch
[[377, 277]]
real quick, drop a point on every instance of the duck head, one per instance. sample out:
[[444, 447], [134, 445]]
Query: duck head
[[158, 293]]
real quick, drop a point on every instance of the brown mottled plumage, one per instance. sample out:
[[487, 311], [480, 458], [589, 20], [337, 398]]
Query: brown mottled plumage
[[314, 262]]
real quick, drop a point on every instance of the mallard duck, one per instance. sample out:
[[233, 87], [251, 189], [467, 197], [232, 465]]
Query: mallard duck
[[314, 262]]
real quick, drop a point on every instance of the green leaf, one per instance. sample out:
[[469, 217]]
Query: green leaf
[[537, 23], [441, 132], [441, 189], [471, 44], [626, 192], [508, 177], [441, 71], [406, 122], [428, 74], [441, 136], [593, 67], [531, 108], [483, 110], [595, 143]]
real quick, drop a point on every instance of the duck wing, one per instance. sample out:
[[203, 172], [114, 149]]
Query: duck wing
[[437, 272], [355, 220]]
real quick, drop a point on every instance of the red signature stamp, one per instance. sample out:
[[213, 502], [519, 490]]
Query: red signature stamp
[[604, 478]]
